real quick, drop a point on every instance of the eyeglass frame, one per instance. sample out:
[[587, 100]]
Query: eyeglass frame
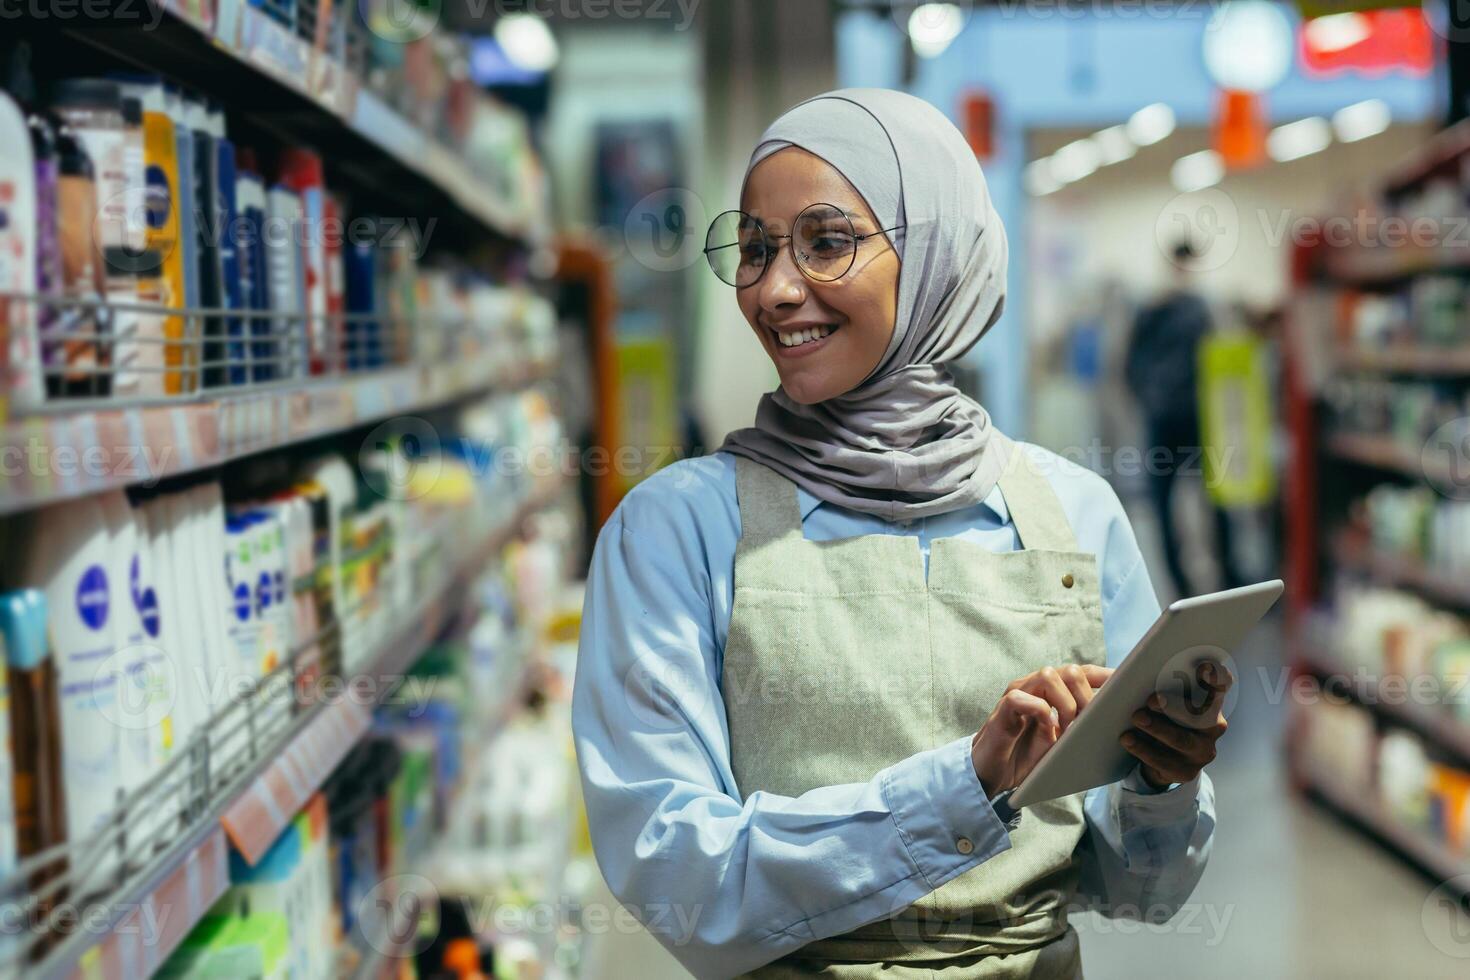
[[768, 237]]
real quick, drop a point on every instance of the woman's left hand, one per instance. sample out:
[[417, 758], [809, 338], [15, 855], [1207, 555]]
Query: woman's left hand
[[1170, 752]]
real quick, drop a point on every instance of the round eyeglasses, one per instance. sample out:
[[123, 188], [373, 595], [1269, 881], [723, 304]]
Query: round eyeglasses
[[823, 243]]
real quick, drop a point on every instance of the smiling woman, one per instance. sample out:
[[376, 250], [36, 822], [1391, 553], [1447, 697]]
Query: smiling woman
[[814, 664]]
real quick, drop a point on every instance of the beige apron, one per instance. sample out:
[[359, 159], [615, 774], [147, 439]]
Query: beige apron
[[842, 660]]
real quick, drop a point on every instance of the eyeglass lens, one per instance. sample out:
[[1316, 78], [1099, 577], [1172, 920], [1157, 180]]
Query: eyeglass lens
[[822, 240]]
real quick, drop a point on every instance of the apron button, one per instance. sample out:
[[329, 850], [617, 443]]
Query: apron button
[[1068, 581], [964, 845]]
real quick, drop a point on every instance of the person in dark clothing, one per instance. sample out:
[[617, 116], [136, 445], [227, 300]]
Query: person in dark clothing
[[1162, 371]]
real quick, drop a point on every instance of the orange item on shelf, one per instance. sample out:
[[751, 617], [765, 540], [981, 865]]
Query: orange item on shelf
[[1240, 129]]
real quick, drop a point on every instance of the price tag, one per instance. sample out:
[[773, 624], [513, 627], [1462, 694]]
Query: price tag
[[183, 438]]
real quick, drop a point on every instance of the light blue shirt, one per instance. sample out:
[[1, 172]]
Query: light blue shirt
[[727, 881]]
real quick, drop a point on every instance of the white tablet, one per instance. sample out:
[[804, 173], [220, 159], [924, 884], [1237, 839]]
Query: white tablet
[[1185, 635]]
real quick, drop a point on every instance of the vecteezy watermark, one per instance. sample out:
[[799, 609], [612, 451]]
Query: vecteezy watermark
[[1109, 9], [1445, 459], [400, 916], [1443, 917], [39, 459], [400, 459], [664, 231], [146, 920], [79, 13], [1207, 220], [682, 12]]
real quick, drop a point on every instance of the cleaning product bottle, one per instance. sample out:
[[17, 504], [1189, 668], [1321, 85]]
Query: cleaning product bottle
[[69, 553], [18, 207]]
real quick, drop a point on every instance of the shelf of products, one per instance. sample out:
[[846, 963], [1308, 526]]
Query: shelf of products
[[1378, 370], [329, 591], [325, 76]]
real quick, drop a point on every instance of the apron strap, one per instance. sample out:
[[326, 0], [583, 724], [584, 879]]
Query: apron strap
[[1035, 510], [769, 509]]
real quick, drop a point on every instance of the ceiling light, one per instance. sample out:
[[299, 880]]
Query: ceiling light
[[932, 26], [527, 42], [1197, 171], [1039, 178], [1361, 120], [1298, 139], [1075, 161], [1248, 45], [1150, 124], [1113, 145]]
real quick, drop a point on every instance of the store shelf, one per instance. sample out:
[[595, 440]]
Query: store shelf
[[1378, 265], [278, 85], [51, 457], [1432, 361], [1404, 573], [1384, 453], [192, 874], [1425, 852], [1442, 729]]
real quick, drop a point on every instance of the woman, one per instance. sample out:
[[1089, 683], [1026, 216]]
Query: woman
[[814, 663]]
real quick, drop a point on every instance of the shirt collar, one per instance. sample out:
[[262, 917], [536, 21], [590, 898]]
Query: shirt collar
[[995, 501]]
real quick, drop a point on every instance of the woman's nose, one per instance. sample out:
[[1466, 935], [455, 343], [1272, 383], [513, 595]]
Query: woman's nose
[[783, 284]]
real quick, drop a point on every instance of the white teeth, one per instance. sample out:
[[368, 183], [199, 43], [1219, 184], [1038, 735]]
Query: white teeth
[[804, 336]]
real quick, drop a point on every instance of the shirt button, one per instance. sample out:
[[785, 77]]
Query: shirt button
[[964, 845], [1068, 581]]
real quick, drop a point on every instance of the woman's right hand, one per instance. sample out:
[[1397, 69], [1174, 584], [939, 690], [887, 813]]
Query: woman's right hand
[[1027, 721]]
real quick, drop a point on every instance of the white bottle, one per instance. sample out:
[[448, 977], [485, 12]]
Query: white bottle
[[129, 642], [335, 477], [147, 588], [207, 532], [21, 382], [69, 557]]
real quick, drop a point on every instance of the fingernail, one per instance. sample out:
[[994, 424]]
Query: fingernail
[[1156, 701], [1143, 719], [1128, 740]]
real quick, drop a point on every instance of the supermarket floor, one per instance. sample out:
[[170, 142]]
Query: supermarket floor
[[1290, 891]]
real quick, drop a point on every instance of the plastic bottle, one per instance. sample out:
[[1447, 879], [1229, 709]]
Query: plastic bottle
[[185, 204], [35, 732], [287, 281], [232, 370], [336, 273], [69, 555], [254, 276], [207, 231], [301, 172], [131, 645], [18, 257], [110, 127], [75, 364], [159, 362]]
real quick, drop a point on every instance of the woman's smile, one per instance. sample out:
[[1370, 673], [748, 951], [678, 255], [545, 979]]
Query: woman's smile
[[800, 339]]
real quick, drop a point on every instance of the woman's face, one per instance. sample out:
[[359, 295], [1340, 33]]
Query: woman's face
[[856, 312]]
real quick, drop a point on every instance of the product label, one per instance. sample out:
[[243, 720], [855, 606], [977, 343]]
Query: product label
[[92, 597], [264, 593], [242, 602], [159, 199]]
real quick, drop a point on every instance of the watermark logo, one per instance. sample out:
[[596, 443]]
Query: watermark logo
[[147, 689], [1188, 701], [399, 916], [1208, 220], [1445, 459], [664, 232], [400, 459], [1443, 917]]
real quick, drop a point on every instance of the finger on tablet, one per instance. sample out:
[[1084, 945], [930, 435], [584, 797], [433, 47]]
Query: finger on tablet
[[1050, 686], [1215, 676]]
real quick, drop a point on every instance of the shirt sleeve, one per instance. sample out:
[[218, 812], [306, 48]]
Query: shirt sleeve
[[725, 882], [1144, 850]]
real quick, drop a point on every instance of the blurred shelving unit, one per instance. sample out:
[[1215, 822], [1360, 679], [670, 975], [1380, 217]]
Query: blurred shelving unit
[[280, 87], [1348, 436]]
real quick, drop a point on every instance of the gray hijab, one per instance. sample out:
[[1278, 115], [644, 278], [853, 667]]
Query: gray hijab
[[905, 443]]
